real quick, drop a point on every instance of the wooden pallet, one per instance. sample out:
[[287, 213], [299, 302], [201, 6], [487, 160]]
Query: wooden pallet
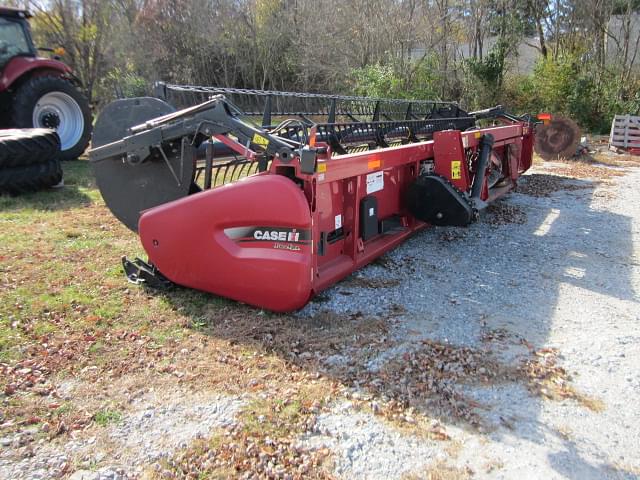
[[625, 132]]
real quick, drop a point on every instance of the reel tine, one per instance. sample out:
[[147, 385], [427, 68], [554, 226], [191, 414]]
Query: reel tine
[[233, 172], [228, 172], [215, 179], [225, 176]]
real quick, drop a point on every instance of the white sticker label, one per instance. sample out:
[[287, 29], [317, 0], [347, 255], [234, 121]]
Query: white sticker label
[[371, 212], [338, 221], [375, 182]]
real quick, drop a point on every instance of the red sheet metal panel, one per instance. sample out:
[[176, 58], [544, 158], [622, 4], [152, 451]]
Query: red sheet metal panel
[[250, 241], [275, 239], [450, 158]]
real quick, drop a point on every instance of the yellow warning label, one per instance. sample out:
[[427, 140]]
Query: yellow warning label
[[456, 172], [322, 167], [260, 140]]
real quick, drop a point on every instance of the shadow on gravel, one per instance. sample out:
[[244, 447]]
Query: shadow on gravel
[[453, 310], [76, 175], [587, 248], [564, 463]]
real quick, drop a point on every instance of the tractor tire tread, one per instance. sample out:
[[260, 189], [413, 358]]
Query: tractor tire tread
[[22, 147], [30, 178]]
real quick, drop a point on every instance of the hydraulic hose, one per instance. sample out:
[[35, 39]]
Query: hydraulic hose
[[486, 145]]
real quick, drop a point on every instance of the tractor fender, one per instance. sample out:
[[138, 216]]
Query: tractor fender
[[249, 241], [19, 66]]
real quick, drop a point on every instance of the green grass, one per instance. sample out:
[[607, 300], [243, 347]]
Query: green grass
[[9, 338], [66, 407], [272, 418], [66, 306], [60, 271], [107, 416], [80, 189], [164, 334]]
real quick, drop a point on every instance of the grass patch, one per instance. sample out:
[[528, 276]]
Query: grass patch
[[617, 160], [273, 418], [166, 334], [262, 443], [441, 470], [65, 408], [10, 338], [106, 417], [65, 302], [79, 190], [96, 348]]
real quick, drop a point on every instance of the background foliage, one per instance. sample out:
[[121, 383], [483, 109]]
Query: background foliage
[[587, 63]]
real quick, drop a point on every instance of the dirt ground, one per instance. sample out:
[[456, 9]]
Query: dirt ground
[[507, 349]]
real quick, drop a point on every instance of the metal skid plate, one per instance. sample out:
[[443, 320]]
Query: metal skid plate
[[434, 200], [140, 272], [130, 188]]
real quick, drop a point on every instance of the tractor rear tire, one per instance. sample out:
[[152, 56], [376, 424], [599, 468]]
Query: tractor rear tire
[[30, 178], [21, 147], [54, 102]]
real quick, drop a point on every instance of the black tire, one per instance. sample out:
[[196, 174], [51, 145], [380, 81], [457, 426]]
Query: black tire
[[21, 147], [26, 99], [30, 178], [5, 109]]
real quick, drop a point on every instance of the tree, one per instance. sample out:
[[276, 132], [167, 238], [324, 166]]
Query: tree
[[82, 27]]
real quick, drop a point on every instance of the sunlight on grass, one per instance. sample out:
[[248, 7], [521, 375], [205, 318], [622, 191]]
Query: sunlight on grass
[[162, 335], [61, 272]]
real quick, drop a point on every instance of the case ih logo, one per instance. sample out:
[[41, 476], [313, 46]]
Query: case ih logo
[[269, 234], [292, 236]]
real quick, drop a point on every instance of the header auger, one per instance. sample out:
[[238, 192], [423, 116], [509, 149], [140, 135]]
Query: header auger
[[271, 212]]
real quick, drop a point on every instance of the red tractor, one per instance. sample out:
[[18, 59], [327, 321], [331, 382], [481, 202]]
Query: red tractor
[[37, 92]]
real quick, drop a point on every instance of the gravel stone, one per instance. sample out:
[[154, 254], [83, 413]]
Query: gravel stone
[[84, 475], [566, 278], [152, 431], [364, 447]]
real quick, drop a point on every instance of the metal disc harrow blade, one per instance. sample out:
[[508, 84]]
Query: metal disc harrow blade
[[128, 188]]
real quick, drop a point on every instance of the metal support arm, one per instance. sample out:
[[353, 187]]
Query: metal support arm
[[214, 117]]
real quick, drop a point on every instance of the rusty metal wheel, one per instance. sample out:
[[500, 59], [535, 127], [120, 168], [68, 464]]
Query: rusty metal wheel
[[557, 139]]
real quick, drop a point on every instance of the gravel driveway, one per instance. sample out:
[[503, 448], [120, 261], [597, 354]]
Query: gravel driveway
[[516, 343], [565, 276]]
